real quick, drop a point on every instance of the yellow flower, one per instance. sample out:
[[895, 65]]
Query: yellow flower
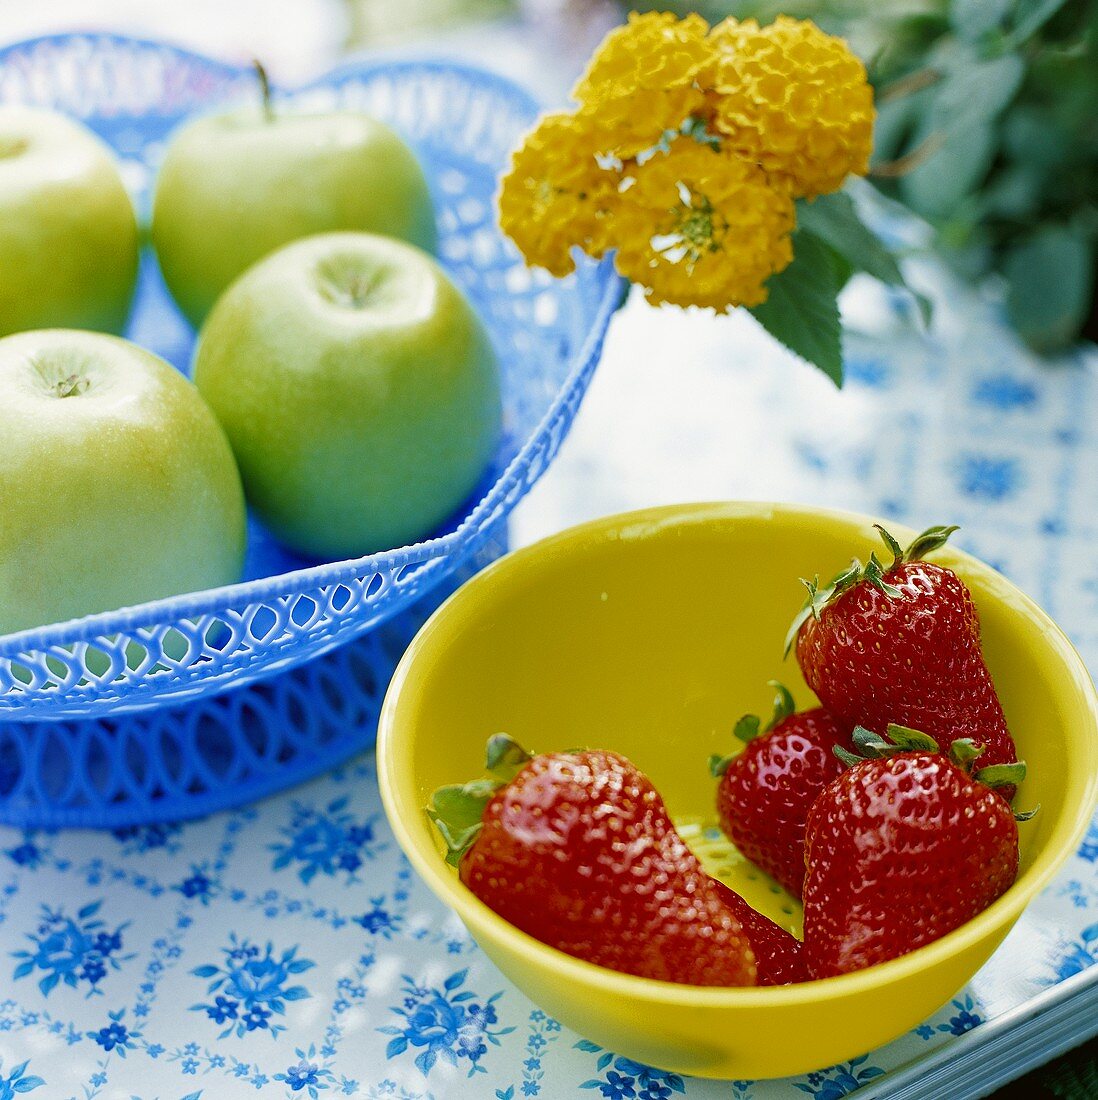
[[632, 124], [700, 227], [644, 78], [556, 195], [794, 100]]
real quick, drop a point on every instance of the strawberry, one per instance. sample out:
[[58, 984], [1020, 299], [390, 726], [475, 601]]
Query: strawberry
[[902, 848], [779, 957], [577, 849], [766, 791], [902, 644]]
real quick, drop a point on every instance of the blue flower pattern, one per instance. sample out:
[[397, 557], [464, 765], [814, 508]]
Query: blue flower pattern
[[447, 1023], [1079, 956], [329, 841], [990, 479], [1089, 850], [17, 1081], [965, 1017], [251, 986], [620, 1078], [115, 1036], [74, 951], [1005, 393], [306, 1075], [841, 1080], [155, 836]]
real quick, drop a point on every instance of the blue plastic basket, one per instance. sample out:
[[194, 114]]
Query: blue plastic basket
[[92, 727]]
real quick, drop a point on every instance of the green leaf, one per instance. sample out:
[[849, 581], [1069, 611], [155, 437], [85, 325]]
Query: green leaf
[[462, 805], [784, 705], [1032, 16], [834, 219], [504, 757], [975, 92], [926, 542], [972, 19], [847, 757], [802, 311], [1015, 192], [1050, 279], [911, 740], [959, 124], [871, 745], [457, 811], [1001, 775], [963, 751], [818, 598], [942, 182], [718, 764], [894, 547], [747, 728], [873, 574]]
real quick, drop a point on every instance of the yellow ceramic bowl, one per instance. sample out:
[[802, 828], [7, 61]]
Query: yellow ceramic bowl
[[650, 634]]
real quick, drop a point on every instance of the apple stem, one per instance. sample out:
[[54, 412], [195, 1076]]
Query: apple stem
[[264, 88], [72, 386]]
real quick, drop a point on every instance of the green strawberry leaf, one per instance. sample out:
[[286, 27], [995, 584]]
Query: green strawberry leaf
[[747, 728], [1001, 775], [873, 574], [457, 812], [718, 764], [963, 752], [872, 745], [802, 310], [784, 705], [933, 538], [818, 598], [504, 757], [850, 759], [911, 740], [893, 546]]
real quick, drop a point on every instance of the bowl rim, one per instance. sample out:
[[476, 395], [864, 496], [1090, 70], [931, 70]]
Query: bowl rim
[[445, 884]]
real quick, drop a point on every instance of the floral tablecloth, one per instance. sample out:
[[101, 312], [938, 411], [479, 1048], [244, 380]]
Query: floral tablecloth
[[286, 949]]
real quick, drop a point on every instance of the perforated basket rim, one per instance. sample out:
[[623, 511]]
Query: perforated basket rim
[[433, 555]]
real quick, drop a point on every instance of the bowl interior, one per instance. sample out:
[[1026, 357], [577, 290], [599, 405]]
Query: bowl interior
[[651, 633]]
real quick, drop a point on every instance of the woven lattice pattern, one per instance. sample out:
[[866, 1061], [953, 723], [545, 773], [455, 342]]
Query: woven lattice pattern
[[462, 124], [220, 750]]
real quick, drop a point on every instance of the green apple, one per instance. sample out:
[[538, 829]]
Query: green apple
[[234, 187], [117, 484], [68, 235], [358, 389]]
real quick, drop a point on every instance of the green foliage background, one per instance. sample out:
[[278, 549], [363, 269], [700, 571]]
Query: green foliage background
[[987, 128]]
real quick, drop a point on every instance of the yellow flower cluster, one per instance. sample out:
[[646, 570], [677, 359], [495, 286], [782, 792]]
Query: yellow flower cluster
[[795, 101], [686, 153]]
